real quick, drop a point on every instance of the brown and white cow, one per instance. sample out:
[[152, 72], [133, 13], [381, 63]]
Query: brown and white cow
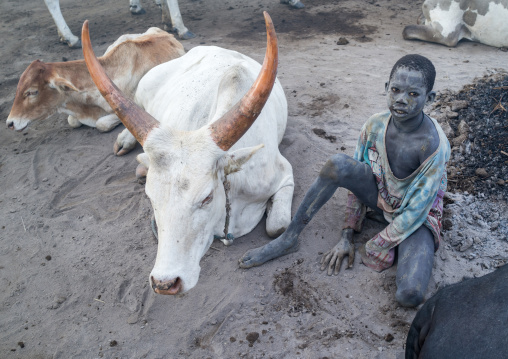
[[66, 87], [210, 123], [449, 21]]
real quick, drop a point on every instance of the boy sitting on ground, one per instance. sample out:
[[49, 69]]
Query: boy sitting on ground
[[399, 171]]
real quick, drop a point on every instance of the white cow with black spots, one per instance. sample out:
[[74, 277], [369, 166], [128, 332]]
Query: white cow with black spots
[[449, 21]]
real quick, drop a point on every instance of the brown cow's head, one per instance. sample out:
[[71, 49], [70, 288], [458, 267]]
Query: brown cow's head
[[40, 92]]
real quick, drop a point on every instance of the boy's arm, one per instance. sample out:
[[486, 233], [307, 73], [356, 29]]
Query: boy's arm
[[354, 215], [355, 210]]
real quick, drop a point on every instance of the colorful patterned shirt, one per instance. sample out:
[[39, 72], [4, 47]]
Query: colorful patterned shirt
[[406, 203]]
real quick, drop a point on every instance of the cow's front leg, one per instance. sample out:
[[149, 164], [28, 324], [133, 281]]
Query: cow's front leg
[[171, 12], [135, 7], [125, 142], [74, 122], [430, 34], [107, 123], [278, 211], [63, 30]]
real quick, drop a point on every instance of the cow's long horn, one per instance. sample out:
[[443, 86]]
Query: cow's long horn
[[234, 123], [137, 121]]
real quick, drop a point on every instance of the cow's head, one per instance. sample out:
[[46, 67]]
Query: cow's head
[[186, 169], [40, 91]]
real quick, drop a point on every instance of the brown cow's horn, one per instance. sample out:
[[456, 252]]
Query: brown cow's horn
[[137, 121], [234, 123]]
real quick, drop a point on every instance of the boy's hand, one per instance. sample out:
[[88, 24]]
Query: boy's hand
[[333, 258]]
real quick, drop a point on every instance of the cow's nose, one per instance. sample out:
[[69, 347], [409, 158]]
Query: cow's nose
[[10, 124], [166, 287]]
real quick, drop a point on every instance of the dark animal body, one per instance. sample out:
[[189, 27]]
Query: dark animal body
[[465, 320]]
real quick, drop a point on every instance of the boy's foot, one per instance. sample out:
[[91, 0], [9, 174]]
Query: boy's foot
[[276, 248]]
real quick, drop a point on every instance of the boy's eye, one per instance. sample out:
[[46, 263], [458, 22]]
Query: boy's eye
[[395, 90], [414, 94]]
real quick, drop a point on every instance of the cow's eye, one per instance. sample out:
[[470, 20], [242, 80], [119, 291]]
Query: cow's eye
[[207, 200], [31, 93]]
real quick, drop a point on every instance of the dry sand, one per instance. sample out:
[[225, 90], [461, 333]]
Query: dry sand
[[75, 242]]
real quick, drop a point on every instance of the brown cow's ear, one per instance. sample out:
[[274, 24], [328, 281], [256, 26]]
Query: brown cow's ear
[[62, 84]]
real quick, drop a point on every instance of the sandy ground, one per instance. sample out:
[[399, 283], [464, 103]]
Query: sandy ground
[[75, 242]]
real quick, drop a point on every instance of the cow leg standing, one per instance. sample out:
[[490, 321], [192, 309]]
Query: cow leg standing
[[63, 30], [171, 13], [297, 4]]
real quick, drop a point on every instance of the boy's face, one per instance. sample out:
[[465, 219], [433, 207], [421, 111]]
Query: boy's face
[[407, 94]]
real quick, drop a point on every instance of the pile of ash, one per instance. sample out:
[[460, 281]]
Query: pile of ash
[[475, 120]]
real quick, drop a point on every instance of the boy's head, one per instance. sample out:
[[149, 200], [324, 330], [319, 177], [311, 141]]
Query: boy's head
[[417, 63], [410, 87]]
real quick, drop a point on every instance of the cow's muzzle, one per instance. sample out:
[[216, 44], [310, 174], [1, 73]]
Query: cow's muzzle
[[170, 287]]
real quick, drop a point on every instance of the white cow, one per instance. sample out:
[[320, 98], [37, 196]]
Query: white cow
[[208, 173], [170, 14], [449, 21]]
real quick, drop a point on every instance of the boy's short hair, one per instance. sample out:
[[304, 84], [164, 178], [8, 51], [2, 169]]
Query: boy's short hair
[[418, 63]]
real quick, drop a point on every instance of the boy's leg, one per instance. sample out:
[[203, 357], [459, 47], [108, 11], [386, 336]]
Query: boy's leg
[[339, 171], [414, 267]]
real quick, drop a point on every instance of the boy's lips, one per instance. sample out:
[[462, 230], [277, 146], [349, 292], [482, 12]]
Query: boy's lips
[[399, 111]]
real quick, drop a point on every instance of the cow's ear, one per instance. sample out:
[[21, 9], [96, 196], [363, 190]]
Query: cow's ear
[[62, 84], [235, 160]]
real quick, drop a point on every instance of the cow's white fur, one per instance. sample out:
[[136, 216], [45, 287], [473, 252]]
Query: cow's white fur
[[447, 25], [186, 166]]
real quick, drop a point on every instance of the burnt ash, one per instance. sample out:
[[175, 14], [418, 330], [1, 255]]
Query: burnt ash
[[478, 118]]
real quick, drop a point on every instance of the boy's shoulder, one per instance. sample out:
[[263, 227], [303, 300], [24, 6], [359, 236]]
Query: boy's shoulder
[[376, 122]]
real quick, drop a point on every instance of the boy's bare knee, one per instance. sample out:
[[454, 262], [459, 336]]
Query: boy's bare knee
[[331, 169], [409, 298], [337, 167]]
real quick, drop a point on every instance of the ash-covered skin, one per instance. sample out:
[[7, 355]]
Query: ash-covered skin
[[410, 139]]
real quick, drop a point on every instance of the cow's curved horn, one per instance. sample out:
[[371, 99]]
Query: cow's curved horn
[[234, 123], [137, 121]]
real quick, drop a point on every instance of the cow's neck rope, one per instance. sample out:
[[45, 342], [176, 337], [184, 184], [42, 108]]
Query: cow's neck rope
[[228, 237]]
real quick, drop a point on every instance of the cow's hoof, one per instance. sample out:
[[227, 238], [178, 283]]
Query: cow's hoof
[[187, 35], [74, 44], [119, 150], [136, 10], [298, 5]]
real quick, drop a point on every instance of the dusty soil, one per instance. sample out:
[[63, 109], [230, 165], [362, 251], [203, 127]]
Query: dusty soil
[[75, 241]]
